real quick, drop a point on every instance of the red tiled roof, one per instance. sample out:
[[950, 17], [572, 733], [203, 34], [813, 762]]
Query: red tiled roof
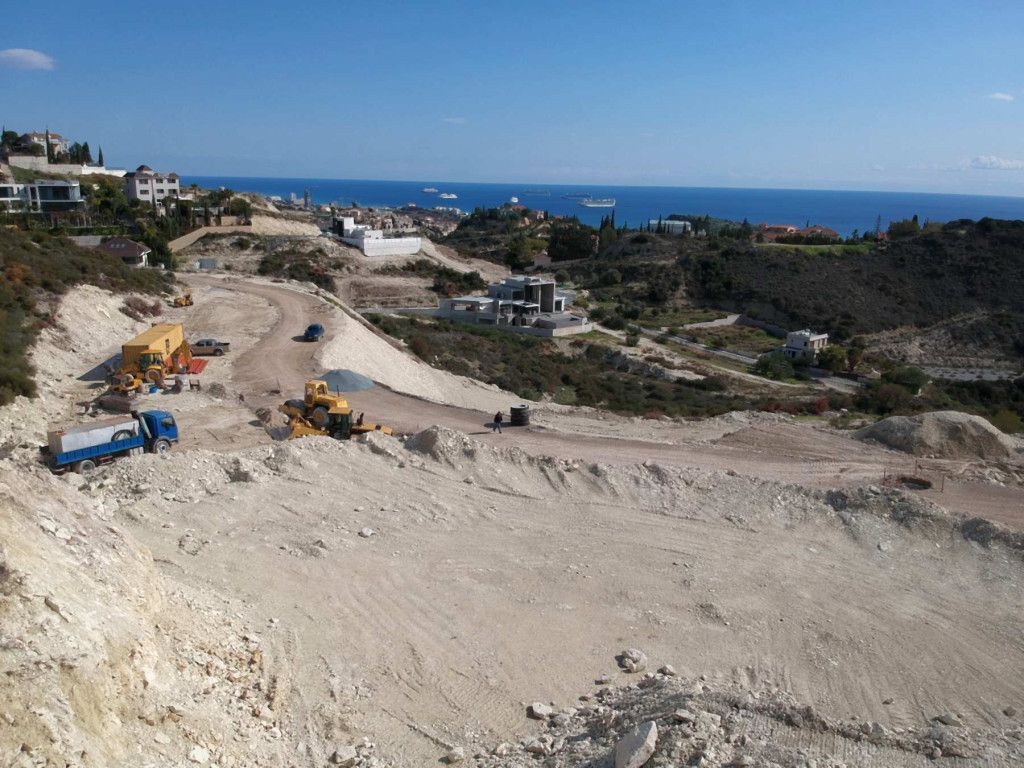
[[122, 246]]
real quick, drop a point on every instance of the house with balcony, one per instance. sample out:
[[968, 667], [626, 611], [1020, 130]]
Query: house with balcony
[[149, 186], [804, 345], [42, 196], [531, 305]]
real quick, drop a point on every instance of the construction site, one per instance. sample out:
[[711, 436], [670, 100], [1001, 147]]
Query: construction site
[[242, 548]]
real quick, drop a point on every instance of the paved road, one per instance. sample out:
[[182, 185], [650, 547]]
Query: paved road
[[276, 367]]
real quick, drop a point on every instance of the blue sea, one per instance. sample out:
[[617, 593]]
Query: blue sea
[[842, 211]]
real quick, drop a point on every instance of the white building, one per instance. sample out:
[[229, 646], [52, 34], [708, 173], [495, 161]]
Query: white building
[[372, 241], [149, 186], [805, 344], [671, 227], [530, 305]]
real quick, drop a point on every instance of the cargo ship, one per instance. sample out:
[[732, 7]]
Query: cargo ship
[[598, 202]]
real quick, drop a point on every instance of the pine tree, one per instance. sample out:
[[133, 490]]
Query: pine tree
[[86, 154], [49, 149], [99, 159]]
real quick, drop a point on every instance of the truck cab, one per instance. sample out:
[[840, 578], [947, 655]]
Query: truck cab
[[160, 425]]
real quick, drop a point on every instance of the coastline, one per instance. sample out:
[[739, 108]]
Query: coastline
[[844, 211]]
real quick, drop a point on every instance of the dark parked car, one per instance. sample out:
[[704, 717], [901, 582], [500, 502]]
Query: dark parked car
[[210, 347], [315, 332]]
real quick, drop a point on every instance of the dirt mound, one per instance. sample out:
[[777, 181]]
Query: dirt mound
[[944, 434]]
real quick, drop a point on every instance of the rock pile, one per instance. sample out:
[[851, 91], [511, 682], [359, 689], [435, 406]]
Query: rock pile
[[665, 721]]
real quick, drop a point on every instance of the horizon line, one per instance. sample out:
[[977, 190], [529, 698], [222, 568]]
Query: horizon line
[[617, 185]]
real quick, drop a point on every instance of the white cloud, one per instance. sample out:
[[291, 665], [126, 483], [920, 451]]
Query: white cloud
[[25, 58], [993, 163], [454, 120], [1000, 96]]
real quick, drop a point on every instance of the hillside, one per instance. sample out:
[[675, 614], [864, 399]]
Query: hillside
[[35, 270], [965, 267]]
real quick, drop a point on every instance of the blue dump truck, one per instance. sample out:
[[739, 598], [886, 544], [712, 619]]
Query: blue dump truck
[[83, 447]]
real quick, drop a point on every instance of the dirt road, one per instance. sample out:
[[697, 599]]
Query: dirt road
[[277, 364]]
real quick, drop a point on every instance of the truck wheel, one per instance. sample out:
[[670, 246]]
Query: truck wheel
[[320, 416], [85, 467], [218, 352], [123, 434], [155, 376], [161, 446]]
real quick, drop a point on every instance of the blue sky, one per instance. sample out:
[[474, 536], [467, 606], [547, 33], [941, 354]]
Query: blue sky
[[892, 95]]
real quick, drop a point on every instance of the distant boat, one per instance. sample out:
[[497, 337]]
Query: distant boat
[[538, 192], [431, 190], [598, 202], [513, 200], [449, 196], [576, 196]]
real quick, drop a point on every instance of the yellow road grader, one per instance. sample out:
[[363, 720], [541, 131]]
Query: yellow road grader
[[321, 412]]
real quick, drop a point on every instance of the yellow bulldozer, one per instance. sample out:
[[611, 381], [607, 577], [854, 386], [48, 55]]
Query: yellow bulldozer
[[152, 355], [321, 412], [185, 300]]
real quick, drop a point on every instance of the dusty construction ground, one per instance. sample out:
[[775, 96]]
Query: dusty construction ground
[[492, 576]]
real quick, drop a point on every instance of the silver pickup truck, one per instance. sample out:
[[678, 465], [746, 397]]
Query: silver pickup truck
[[210, 347]]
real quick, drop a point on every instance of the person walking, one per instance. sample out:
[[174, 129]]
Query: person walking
[[496, 427]]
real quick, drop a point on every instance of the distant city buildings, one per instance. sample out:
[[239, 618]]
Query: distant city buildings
[[147, 185]]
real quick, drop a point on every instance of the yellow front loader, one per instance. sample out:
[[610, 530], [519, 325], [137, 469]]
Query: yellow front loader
[[320, 412]]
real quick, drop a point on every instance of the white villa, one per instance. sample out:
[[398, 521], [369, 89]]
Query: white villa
[[372, 241], [149, 186], [805, 344], [530, 305]]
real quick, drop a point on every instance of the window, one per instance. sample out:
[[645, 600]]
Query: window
[[143, 191]]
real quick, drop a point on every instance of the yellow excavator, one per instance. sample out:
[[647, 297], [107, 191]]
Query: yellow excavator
[[320, 412], [185, 300], [153, 354]]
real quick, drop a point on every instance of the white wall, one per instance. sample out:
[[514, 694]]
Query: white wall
[[33, 163], [387, 246]]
